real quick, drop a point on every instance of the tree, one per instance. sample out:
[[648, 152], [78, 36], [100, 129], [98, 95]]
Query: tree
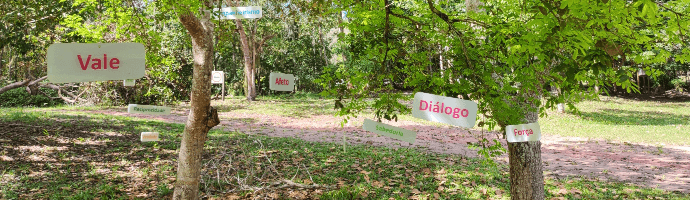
[[252, 46], [195, 16], [503, 58], [202, 116], [255, 34]]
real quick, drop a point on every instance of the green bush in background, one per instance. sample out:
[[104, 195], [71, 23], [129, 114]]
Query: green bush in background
[[679, 84], [19, 97]]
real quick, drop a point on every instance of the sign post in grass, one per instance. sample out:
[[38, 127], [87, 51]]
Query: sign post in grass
[[281, 82], [389, 131], [218, 77]]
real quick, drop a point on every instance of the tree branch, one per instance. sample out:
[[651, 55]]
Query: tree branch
[[14, 86], [193, 25], [673, 11], [407, 18], [38, 80], [444, 17]]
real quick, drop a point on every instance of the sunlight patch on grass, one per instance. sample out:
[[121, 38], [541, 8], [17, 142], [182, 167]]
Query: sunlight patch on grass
[[624, 120]]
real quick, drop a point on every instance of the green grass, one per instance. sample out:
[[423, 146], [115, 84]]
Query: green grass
[[626, 120], [299, 105], [90, 156], [75, 155]]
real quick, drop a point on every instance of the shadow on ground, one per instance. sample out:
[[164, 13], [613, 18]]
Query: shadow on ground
[[49, 156]]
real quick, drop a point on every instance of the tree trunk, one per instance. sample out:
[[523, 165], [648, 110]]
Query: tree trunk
[[251, 48], [526, 175], [202, 116], [249, 69]]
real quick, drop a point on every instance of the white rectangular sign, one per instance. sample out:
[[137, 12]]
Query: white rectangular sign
[[389, 131], [446, 110], [523, 132], [149, 136], [217, 77], [250, 12], [84, 62], [146, 109], [129, 82], [281, 82]]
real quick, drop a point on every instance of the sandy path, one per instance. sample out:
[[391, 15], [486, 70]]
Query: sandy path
[[666, 168]]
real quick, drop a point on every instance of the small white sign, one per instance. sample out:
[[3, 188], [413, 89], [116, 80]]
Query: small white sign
[[446, 110], [149, 136], [84, 62], [146, 109], [217, 77], [523, 132], [129, 82], [281, 82], [389, 131], [250, 12]]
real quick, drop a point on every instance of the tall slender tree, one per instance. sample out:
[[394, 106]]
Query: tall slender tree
[[202, 116]]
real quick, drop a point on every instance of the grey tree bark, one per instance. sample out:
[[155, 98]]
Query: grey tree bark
[[251, 49], [202, 117], [526, 174]]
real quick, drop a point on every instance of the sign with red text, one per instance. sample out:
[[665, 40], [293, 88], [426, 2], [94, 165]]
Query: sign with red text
[[445, 110], [147, 109], [149, 136], [389, 131], [80, 62], [217, 77], [281, 82], [523, 132]]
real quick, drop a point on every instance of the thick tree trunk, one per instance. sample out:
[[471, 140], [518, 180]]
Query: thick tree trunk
[[202, 116], [526, 175]]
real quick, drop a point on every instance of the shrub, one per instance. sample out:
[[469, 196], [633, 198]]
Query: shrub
[[679, 84], [19, 97]]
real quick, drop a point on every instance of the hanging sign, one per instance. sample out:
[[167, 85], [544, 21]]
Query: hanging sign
[[217, 77], [146, 109], [389, 131], [523, 132], [281, 82], [250, 12], [446, 110], [81, 62], [149, 136]]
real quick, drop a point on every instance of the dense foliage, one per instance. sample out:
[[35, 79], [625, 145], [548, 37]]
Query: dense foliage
[[512, 57], [301, 46]]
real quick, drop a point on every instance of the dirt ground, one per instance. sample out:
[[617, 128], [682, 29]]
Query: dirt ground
[[666, 167]]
